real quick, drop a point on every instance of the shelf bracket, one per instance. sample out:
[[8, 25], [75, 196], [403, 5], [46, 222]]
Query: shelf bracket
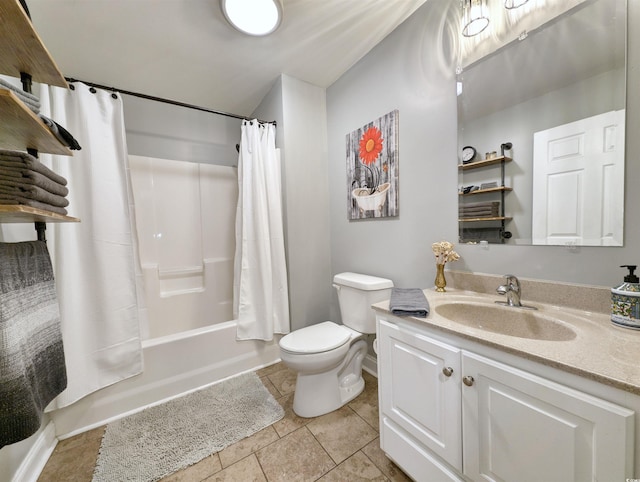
[[40, 229]]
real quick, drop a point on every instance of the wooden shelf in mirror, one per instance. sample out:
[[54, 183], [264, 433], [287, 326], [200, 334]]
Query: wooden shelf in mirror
[[22, 48], [17, 213], [482, 191], [483, 163], [22, 129], [494, 218]]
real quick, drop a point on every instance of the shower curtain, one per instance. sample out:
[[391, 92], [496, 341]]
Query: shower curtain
[[94, 259], [260, 295]]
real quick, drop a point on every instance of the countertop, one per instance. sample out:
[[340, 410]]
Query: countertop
[[601, 351]]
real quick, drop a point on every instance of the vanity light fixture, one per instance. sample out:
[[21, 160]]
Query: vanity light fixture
[[511, 4], [253, 17], [474, 17]]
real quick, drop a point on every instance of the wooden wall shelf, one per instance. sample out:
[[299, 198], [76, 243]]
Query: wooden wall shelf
[[22, 48], [486, 162], [22, 129], [483, 191], [17, 213]]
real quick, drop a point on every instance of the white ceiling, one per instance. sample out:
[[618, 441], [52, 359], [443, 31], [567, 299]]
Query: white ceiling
[[185, 50]]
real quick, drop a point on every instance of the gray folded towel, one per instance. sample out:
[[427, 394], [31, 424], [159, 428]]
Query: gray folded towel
[[33, 192], [62, 134], [34, 106], [22, 93], [27, 160], [29, 177], [409, 302], [27, 98], [14, 199]]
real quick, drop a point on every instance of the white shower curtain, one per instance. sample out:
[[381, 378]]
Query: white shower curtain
[[260, 295], [94, 259]]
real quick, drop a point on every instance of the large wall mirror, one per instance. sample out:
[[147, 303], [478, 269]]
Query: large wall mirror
[[543, 122]]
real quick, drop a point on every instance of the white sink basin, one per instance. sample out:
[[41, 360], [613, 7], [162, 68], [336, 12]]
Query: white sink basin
[[504, 320]]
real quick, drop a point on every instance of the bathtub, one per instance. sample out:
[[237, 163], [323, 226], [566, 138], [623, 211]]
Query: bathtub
[[185, 221], [173, 366]]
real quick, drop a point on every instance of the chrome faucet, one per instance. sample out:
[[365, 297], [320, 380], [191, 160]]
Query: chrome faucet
[[512, 289]]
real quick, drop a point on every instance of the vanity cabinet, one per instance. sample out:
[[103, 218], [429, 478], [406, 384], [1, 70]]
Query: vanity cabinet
[[448, 413]]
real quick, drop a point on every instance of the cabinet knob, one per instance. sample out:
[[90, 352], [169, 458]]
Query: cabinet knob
[[468, 380], [447, 371]]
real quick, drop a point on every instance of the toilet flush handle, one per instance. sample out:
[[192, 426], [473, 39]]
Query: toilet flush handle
[[337, 287]]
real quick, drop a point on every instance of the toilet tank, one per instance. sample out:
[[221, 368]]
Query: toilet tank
[[356, 294]]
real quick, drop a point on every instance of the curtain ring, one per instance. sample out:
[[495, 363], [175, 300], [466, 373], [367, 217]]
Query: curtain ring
[[92, 90], [113, 95]]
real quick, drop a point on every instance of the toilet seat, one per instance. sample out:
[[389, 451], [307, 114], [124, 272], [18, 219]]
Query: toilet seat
[[318, 338]]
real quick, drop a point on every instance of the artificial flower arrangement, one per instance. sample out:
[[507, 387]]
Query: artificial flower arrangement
[[443, 252]]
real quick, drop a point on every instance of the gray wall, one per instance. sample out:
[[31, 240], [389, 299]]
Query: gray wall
[[409, 71], [299, 109]]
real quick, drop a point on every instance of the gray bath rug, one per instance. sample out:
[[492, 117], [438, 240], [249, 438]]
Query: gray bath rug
[[163, 439]]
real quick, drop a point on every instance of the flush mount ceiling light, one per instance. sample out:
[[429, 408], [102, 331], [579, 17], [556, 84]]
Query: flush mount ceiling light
[[474, 17], [253, 17], [510, 4]]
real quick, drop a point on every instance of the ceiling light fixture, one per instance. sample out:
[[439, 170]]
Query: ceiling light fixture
[[253, 17], [474, 17], [511, 4]]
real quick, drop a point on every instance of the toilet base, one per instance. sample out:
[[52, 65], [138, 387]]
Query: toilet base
[[320, 393]]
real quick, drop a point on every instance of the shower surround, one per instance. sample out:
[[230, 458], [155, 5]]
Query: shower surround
[[185, 222]]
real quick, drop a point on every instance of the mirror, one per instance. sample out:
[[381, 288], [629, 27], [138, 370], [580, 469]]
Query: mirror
[[553, 102]]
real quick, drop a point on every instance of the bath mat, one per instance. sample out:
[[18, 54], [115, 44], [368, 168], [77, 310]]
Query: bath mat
[[163, 439]]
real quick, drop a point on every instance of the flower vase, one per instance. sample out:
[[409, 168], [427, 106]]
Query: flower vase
[[441, 282]]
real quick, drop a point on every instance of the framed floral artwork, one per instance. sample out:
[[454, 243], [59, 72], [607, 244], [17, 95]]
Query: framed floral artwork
[[372, 169]]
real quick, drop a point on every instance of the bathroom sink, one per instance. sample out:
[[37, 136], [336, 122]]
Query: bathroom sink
[[506, 321]]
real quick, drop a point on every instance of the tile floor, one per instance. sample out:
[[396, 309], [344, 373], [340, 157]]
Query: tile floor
[[339, 446]]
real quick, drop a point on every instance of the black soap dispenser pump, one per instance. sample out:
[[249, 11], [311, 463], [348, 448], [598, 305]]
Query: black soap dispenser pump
[[625, 301]]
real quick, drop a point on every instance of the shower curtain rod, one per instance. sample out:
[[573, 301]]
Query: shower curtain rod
[[166, 101]]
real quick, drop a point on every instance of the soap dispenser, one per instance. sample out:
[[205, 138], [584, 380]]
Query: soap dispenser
[[625, 301]]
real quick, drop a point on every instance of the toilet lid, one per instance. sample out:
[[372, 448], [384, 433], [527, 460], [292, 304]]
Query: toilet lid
[[318, 338]]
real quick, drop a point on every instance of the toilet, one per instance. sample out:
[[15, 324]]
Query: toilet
[[328, 357]]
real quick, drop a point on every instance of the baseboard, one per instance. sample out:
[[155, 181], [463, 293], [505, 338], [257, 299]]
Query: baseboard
[[37, 457], [370, 365]]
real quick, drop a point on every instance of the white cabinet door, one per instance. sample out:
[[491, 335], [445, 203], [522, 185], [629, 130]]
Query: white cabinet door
[[520, 427], [419, 389]]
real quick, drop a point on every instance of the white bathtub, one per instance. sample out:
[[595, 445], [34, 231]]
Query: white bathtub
[[173, 365]]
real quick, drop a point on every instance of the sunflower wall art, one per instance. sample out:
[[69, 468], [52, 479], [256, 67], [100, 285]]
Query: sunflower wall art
[[372, 169]]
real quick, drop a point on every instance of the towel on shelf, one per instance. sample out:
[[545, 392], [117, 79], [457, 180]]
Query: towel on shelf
[[35, 193], [19, 159], [33, 178], [482, 204], [18, 91], [32, 366], [27, 98], [16, 199], [479, 209], [33, 106], [409, 302], [62, 134]]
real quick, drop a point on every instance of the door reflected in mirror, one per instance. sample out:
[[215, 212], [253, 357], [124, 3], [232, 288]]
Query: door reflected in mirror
[[558, 97]]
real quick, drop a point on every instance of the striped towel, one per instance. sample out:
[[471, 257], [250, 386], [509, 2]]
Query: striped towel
[[32, 366]]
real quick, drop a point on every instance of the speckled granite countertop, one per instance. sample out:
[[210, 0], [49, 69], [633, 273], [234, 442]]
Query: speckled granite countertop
[[600, 350]]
